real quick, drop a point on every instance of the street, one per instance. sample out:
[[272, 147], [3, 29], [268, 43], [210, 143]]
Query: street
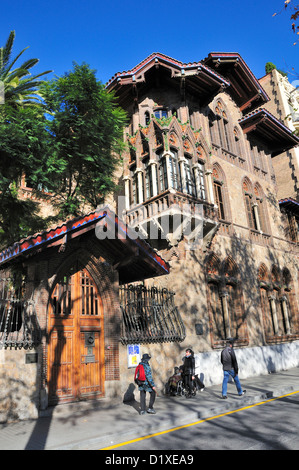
[[271, 425]]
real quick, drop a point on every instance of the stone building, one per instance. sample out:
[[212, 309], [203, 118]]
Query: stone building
[[202, 253], [200, 184], [284, 104]]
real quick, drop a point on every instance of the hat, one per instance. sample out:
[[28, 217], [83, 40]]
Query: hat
[[230, 340], [146, 357]]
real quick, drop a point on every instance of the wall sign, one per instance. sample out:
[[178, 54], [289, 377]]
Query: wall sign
[[133, 351]]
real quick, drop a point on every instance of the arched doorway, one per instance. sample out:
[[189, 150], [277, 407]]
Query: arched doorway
[[76, 339]]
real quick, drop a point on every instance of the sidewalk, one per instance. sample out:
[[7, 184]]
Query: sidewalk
[[99, 424]]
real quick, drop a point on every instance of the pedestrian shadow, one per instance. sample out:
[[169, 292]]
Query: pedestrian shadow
[[129, 398]]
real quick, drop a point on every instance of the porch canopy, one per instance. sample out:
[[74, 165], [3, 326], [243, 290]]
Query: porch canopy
[[134, 258], [131, 256]]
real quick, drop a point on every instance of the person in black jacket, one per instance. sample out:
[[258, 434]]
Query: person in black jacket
[[230, 368], [189, 372]]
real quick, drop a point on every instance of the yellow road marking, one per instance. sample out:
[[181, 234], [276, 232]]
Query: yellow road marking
[[197, 422]]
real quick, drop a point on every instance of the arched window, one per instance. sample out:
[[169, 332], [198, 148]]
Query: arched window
[[222, 124], [218, 193], [238, 142], [278, 303], [174, 174], [255, 206], [225, 301], [163, 180], [149, 192], [189, 176], [147, 118]]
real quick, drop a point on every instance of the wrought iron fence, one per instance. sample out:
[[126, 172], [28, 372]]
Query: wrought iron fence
[[19, 327], [150, 316]]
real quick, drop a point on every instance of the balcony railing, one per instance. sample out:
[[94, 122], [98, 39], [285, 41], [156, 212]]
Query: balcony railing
[[150, 316]]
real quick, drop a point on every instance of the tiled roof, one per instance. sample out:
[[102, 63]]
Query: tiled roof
[[156, 56], [77, 226]]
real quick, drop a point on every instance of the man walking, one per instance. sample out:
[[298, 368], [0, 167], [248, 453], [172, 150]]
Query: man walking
[[230, 368]]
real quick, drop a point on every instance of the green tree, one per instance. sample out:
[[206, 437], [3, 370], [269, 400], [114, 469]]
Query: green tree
[[23, 144], [20, 87], [23, 153], [86, 129], [270, 66]]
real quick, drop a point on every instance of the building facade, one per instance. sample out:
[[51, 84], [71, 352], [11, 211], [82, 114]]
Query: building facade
[[202, 252], [200, 184]]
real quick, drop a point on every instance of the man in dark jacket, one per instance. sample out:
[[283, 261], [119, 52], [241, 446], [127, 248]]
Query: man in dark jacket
[[230, 368], [189, 372]]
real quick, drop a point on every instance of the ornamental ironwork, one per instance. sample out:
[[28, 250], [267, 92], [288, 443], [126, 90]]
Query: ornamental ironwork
[[19, 327], [150, 315]]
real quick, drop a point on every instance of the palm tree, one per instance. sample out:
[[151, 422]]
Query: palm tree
[[19, 86]]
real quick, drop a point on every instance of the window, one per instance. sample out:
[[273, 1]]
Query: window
[[18, 321], [255, 207], [135, 192], [163, 182], [250, 212], [201, 191], [238, 143], [278, 303], [225, 301], [160, 113], [189, 176], [150, 316], [222, 125], [293, 227], [148, 181], [219, 199], [147, 118], [174, 175]]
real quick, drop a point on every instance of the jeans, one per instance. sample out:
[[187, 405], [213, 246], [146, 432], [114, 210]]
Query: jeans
[[227, 374], [151, 400]]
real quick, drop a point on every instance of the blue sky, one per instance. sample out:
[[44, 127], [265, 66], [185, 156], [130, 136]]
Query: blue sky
[[115, 36]]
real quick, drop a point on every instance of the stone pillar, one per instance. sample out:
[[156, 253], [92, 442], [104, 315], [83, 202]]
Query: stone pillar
[[224, 295], [256, 215], [181, 161], [140, 185], [210, 194], [272, 300], [285, 314], [127, 192], [153, 165]]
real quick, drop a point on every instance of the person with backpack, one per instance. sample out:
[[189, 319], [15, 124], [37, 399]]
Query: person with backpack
[[145, 382]]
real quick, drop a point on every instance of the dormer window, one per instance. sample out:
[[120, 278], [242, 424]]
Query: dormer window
[[147, 118], [161, 113]]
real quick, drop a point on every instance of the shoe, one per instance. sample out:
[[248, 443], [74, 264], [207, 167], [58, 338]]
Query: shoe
[[142, 412], [151, 411], [202, 389], [243, 393], [224, 397]]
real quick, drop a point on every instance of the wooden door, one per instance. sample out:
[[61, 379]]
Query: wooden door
[[76, 343]]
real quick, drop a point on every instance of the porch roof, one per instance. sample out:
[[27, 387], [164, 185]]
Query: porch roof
[[290, 204], [133, 257], [268, 129]]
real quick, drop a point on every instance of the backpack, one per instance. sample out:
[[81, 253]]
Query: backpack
[[139, 378]]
